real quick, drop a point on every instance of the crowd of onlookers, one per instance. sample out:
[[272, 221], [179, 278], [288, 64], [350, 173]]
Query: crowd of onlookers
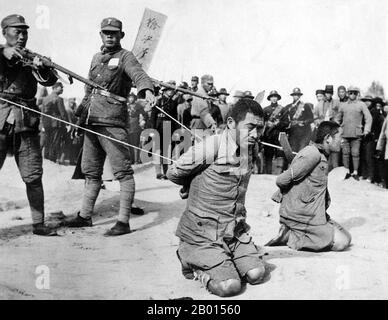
[[362, 119]]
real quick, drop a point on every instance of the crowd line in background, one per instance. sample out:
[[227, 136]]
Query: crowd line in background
[[363, 121]]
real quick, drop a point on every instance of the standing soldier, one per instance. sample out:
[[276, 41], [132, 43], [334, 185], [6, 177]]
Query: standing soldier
[[113, 68], [19, 129], [275, 122], [200, 110], [301, 116]]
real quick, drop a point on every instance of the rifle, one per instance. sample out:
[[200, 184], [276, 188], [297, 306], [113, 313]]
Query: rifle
[[28, 56]]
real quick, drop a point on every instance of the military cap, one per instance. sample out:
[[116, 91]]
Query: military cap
[[296, 92], [194, 78], [273, 93], [353, 88], [367, 98], [223, 91], [111, 24], [320, 91], [248, 94], [14, 20], [329, 89]]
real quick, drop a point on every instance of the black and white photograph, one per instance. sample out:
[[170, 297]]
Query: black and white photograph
[[215, 150]]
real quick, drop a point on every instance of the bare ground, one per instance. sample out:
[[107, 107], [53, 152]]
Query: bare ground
[[143, 265]]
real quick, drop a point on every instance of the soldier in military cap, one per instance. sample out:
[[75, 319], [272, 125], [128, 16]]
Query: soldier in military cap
[[274, 124], [200, 110], [19, 129], [106, 112], [301, 116]]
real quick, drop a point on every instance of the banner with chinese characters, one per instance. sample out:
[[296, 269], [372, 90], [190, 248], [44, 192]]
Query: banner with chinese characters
[[148, 36]]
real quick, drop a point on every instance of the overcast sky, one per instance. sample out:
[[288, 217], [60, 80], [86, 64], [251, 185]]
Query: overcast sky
[[250, 45]]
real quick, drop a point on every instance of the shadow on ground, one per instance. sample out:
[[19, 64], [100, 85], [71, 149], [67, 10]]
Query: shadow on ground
[[107, 211]]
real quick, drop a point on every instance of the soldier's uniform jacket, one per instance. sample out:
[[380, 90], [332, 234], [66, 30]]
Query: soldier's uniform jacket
[[303, 187], [200, 111], [54, 106], [215, 208], [350, 116], [272, 133], [114, 70], [18, 83], [300, 112]]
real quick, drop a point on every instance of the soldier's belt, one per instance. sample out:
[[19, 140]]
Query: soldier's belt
[[109, 95], [16, 98]]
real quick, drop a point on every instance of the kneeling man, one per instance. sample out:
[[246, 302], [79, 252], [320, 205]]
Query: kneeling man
[[304, 197], [214, 242]]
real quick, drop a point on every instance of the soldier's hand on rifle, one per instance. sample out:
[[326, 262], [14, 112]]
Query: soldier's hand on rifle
[[11, 52], [150, 98]]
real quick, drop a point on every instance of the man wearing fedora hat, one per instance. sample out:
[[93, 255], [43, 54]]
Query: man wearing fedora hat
[[248, 95], [19, 128], [106, 111], [351, 115], [301, 116], [274, 124], [238, 94], [222, 104]]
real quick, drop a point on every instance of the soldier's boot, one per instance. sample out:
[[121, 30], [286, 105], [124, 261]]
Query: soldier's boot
[[41, 230], [281, 239], [78, 222], [84, 217], [35, 197], [118, 229], [127, 194]]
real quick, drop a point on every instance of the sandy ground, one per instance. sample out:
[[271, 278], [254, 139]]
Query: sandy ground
[[83, 264]]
